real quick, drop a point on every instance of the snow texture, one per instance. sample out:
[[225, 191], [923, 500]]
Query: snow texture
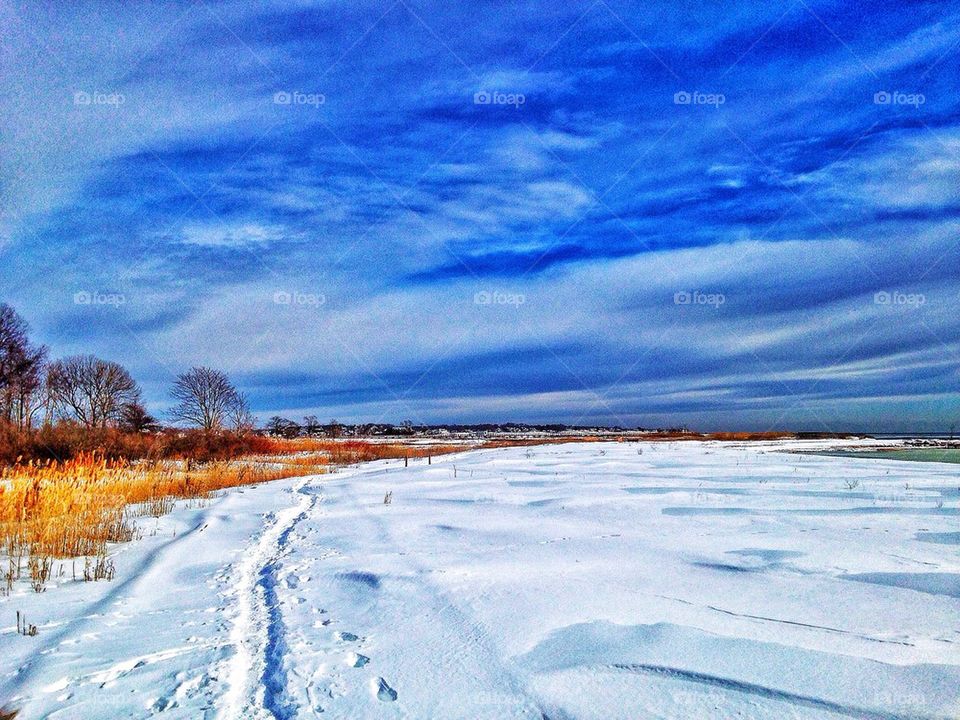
[[618, 580]]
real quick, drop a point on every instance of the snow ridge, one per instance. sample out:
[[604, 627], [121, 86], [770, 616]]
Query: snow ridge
[[797, 699]]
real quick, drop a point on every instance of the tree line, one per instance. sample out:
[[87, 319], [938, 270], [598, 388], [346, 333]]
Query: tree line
[[98, 394]]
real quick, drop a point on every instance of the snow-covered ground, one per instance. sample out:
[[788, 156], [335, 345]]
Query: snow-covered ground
[[652, 580]]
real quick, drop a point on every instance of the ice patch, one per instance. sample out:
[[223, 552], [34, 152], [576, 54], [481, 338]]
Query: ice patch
[[931, 583], [949, 538]]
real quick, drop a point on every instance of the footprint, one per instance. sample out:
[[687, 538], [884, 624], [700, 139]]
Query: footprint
[[384, 692], [346, 636], [163, 703], [191, 686], [357, 660]]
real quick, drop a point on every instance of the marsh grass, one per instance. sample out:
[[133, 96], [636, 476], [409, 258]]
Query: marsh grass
[[76, 508], [53, 510]]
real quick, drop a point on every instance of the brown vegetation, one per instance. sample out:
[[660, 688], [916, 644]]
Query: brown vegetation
[[52, 509], [751, 436]]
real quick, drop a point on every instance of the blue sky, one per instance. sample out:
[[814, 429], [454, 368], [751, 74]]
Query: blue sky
[[731, 216]]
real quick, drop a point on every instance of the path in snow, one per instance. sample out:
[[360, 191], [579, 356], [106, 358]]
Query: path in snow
[[146, 643], [255, 671]]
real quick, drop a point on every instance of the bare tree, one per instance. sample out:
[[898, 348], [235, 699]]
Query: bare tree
[[311, 424], [334, 429], [21, 370], [276, 425], [242, 420], [92, 391], [205, 398], [282, 427]]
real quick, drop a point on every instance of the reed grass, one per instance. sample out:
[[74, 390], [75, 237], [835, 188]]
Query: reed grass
[[76, 508]]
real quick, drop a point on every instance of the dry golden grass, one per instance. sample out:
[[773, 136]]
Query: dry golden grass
[[76, 508]]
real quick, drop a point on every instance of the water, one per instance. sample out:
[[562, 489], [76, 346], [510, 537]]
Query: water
[[946, 435], [925, 454]]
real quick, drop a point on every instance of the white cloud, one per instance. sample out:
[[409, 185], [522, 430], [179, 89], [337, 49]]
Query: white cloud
[[230, 235]]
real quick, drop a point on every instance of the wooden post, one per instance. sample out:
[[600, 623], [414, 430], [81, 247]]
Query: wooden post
[[406, 461]]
